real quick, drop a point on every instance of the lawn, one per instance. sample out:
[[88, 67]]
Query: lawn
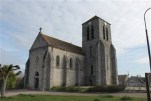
[[69, 98]]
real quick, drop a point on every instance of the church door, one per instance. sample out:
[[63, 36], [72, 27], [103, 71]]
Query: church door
[[36, 83], [36, 80]]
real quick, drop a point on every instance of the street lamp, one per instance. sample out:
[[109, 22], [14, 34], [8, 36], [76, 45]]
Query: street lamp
[[147, 38], [148, 46]]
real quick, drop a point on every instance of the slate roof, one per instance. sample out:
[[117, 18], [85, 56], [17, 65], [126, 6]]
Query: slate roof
[[62, 44], [137, 78], [142, 79]]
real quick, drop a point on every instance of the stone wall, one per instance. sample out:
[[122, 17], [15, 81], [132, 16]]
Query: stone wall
[[98, 53], [96, 66], [36, 65], [64, 75]]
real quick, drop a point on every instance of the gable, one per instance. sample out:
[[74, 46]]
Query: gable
[[39, 42]]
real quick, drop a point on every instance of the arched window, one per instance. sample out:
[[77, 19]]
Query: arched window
[[36, 74], [71, 63], [87, 33], [107, 34], [91, 69], [104, 31], [92, 32], [57, 60], [87, 36]]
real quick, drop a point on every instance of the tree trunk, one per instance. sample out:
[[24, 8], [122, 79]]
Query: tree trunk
[[3, 87]]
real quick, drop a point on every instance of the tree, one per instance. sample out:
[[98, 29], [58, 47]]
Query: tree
[[5, 72], [11, 81]]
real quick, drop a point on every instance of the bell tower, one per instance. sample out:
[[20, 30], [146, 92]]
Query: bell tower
[[100, 54]]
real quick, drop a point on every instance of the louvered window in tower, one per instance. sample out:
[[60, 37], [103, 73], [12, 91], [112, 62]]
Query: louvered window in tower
[[91, 69], [92, 32], [104, 31], [90, 51], [107, 37], [87, 33]]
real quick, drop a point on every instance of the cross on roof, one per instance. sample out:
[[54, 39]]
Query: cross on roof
[[40, 29]]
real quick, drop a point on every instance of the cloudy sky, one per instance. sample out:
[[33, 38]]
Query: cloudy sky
[[20, 21]]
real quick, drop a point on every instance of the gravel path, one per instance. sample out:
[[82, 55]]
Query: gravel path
[[16, 92]]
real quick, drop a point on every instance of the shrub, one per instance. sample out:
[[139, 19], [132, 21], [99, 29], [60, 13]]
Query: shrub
[[90, 89], [73, 89], [106, 88], [126, 98], [58, 88], [68, 89], [20, 83]]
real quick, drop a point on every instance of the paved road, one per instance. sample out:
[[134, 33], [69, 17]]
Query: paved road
[[16, 92]]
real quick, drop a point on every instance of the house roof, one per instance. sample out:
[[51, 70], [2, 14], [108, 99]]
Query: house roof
[[142, 79], [122, 77], [137, 78], [96, 17], [62, 44]]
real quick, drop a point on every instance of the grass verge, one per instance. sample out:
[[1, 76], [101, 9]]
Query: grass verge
[[69, 98]]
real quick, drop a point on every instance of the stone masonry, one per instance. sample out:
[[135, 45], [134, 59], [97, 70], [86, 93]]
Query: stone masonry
[[53, 62]]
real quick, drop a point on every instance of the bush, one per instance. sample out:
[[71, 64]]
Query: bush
[[19, 83], [126, 98], [106, 89], [11, 81], [68, 89], [58, 88], [90, 89]]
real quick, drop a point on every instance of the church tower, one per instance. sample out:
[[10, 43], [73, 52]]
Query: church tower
[[100, 54]]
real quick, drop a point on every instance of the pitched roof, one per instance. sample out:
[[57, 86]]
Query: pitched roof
[[62, 44], [122, 77], [142, 79], [96, 17], [137, 78]]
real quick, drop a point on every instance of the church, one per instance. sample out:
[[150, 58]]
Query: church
[[53, 62]]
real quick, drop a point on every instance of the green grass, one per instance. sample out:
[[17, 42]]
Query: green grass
[[126, 98], [68, 98]]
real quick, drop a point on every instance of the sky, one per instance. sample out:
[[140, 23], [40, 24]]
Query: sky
[[20, 21]]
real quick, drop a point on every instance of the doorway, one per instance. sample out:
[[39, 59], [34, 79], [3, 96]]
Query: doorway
[[36, 83], [36, 80]]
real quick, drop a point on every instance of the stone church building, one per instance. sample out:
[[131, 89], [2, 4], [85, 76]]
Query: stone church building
[[53, 62]]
